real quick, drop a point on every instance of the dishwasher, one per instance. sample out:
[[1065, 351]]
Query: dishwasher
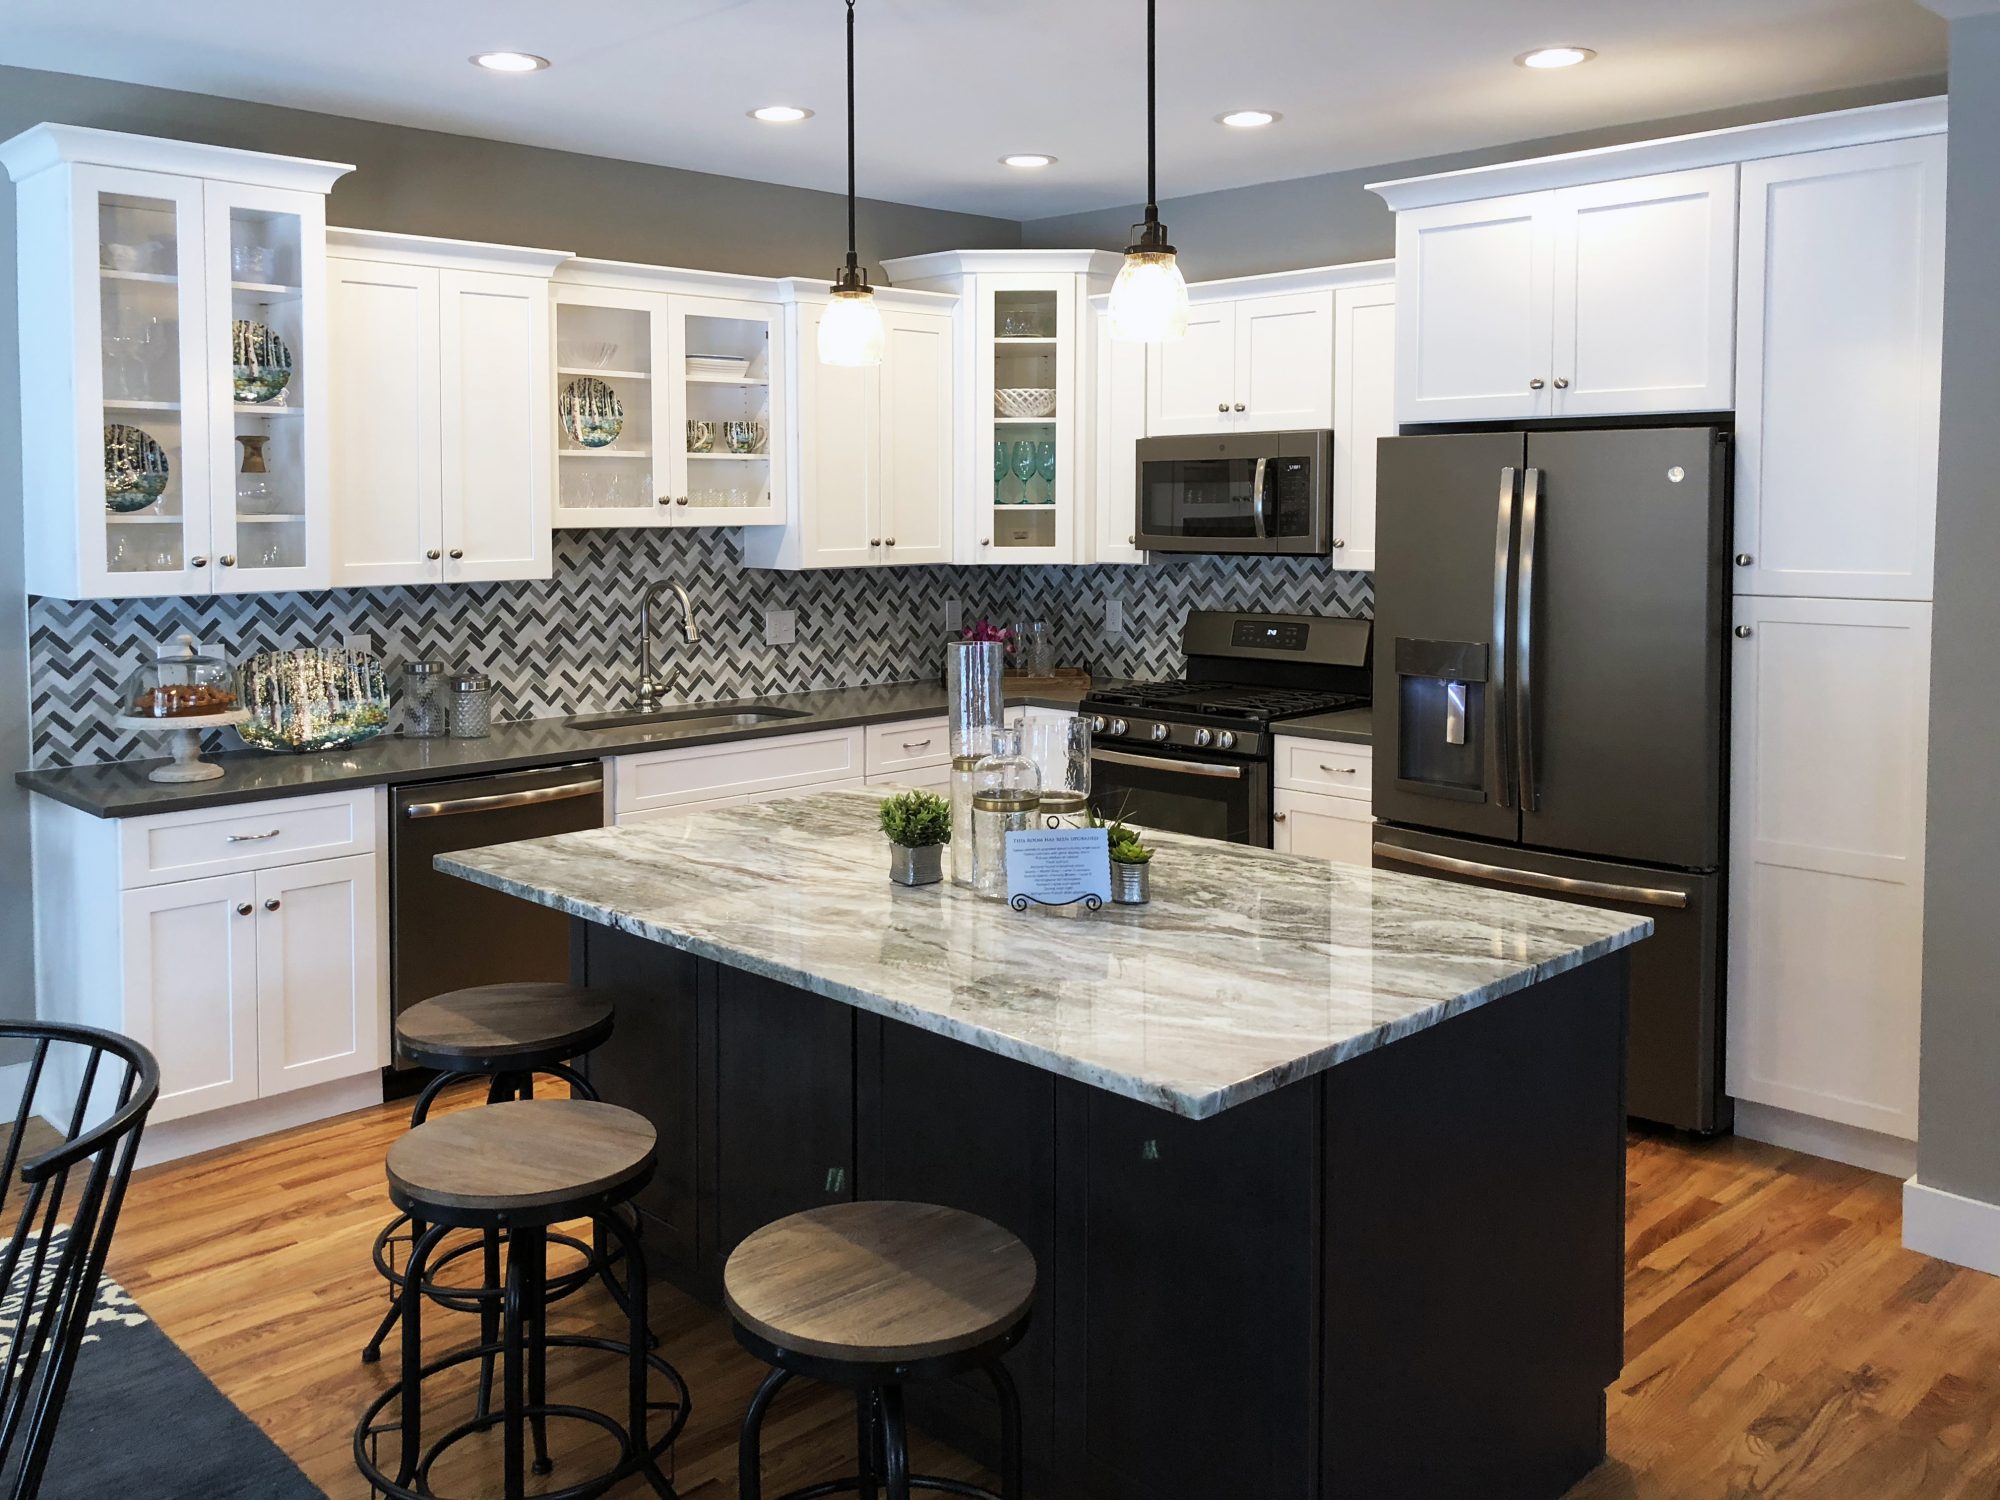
[[446, 933]]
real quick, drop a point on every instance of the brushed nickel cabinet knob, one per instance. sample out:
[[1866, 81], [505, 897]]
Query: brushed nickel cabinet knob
[[1537, 383], [680, 499], [431, 553], [228, 559], [874, 541], [243, 908], [197, 562], [1742, 632], [1241, 407], [666, 499], [457, 553], [889, 541], [271, 904], [1562, 382], [1744, 559], [1222, 406], [1279, 817], [1338, 543]]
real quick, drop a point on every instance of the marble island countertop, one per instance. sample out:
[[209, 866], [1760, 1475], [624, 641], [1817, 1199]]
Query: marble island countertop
[[1248, 970]]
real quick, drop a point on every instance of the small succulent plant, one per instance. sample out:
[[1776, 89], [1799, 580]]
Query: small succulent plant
[[916, 820]]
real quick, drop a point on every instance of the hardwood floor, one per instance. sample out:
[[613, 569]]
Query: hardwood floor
[[1779, 1340]]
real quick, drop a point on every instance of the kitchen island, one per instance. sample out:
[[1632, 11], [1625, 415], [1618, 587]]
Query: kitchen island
[[1323, 1167]]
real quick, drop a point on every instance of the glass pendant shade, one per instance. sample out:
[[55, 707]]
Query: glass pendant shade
[[850, 331], [1149, 300]]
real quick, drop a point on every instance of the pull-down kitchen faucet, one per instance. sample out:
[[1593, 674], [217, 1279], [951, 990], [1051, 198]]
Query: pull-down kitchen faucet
[[652, 685]]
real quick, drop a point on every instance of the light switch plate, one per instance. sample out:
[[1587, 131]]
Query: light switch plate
[[781, 627], [1114, 617], [954, 615]]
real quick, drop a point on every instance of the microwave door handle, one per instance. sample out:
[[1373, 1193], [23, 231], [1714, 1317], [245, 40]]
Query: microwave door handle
[[1257, 498], [1503, 578], [1524, 644]]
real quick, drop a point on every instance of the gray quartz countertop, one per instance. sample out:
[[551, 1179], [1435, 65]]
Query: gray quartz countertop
[[1248, 971], [1354, 726], [121, 790]]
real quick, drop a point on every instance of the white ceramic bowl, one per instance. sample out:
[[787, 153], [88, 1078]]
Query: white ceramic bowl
[[1025, 401]]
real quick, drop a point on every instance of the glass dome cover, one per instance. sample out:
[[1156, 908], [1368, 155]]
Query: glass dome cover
[[181, 684]]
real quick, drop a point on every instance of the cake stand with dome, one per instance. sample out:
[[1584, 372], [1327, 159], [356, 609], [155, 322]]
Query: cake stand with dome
[[180, 696]]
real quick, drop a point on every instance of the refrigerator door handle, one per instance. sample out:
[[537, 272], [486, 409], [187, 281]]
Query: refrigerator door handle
[[1524, 644], [1535, 880], [1503, 577]]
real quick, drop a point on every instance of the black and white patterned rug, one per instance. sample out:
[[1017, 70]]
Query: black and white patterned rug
[[141, 1419]]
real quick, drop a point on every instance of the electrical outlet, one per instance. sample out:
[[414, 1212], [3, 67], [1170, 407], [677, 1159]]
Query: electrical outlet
[[954, 616], [357, 640], [781, 627], [1114, 617]]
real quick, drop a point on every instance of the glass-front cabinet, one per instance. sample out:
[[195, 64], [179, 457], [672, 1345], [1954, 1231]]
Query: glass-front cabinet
[[172, 344], [670, 404]]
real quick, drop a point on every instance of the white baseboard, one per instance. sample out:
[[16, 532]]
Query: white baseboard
[[1964, 1231], [1851, 1144], [241, 1122]]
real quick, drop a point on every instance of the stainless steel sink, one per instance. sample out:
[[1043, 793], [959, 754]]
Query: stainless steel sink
[[694, 719]]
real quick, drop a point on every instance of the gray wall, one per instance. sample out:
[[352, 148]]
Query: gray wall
[[1330, 219], [1958, 1147]]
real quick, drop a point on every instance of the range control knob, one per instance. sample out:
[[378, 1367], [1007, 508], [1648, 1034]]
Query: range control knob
[[1204, 738], [1160, 732], [1097, 723], [1119, 726], [1225, 740]]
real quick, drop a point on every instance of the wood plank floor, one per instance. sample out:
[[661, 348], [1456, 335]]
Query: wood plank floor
[[1780, 1342]]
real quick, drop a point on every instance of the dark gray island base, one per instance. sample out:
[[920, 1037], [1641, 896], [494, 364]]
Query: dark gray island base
[[1397, 1277]]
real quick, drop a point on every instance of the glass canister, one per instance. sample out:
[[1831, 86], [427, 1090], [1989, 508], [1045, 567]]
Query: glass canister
[[1060, 749], [973, 671], [469, 710], [1006, 793], [424, 699]]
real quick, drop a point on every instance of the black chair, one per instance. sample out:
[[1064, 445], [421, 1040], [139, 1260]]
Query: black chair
[[50, 1270]]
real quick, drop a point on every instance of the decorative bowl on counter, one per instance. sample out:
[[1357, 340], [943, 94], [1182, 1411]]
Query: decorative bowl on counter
[[313, 699], [1025, 401]]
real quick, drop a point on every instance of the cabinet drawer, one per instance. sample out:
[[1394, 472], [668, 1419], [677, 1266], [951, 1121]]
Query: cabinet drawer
[[932, 778], [252, 836], [737, 769], [906, 745], [710, 804], [1329, 766]]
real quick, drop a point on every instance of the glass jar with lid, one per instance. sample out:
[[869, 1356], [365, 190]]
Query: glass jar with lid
[[424, 697], [181, 683], [1006, 793], [469, 711]]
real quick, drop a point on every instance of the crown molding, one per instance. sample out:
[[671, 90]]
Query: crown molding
[[43, 147]]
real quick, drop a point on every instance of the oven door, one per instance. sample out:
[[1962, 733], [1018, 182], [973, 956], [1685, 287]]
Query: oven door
[[1252, 493], [1163, 789]]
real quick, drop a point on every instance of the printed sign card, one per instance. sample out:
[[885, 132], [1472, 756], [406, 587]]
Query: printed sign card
[[1058, 867]]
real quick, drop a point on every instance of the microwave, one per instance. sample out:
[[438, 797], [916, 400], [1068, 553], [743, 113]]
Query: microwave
[[1242, 492]]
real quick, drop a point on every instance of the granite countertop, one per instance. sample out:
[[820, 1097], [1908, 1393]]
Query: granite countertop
[[120, 789], [1354, 726], [1248, 970]]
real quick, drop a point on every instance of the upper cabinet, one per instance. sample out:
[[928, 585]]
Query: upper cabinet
[[1254, 363], [1117, 422], [1612, 298], [442, 410], [1364, 412], [1837, 371], [174, 365]]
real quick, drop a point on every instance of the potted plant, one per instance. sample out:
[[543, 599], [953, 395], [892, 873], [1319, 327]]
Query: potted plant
[[918, 826], [1131, 865]]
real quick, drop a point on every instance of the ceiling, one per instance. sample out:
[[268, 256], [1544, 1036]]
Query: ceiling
[[949, 86]]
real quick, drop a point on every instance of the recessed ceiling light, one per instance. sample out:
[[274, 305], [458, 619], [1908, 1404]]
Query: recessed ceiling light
[[1247, 119], [510, 62], [1027, 159], [1555, 57], [780, 114]]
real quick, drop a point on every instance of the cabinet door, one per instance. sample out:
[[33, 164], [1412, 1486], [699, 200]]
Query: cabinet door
[[1364, 411], [1025, 327], [737, 481], [1118, 421], [916, 417], [319, 1000], [1645, 303], [499, 459], [840, 457], [383, 411], [1837, 377], [1474, 285], [1830, 735], [1284, 363], [1191, 383], [618, 339], [1341, 829], [191, 989]]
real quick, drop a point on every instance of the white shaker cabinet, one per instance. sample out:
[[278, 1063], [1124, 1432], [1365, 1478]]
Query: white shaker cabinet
[[1117, 422], [1248, 364], [1829, 739], [1191, 382], [917, 385], [190, 989], [1364, 412], [442, 410], [316, 972], [1331, 828], [1838, 368]]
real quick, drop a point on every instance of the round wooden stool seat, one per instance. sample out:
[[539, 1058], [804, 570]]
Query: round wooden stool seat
[[521, 1161], [880, 1283], [496, 1027]]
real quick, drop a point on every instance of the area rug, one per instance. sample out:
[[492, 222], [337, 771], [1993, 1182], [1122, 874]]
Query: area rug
[[142, 1420]]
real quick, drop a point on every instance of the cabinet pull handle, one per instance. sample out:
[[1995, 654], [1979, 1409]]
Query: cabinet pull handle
[[1537, 383], [916, 744], [431, 553], [457, 553], [271, 904], [1562, 382], [251, 838], [1742, 632], [1744, 559], [1338, 770], [197, 562], [244, 908], [228, 559]]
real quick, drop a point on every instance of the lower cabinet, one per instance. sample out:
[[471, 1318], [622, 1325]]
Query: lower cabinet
[[1321, 799]]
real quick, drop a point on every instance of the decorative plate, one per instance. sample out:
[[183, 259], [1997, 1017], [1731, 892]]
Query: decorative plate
[[135, 469], [313, 699], [592, 415], [262, 364]]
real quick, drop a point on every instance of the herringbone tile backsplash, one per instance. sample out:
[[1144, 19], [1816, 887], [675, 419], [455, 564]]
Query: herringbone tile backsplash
[[568, 644]]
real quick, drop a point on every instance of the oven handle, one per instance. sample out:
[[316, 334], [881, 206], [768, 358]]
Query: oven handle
[[501, 800], [1164, 763], [1534, 880]]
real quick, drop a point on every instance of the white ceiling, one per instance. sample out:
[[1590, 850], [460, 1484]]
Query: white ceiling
[[948, 86]]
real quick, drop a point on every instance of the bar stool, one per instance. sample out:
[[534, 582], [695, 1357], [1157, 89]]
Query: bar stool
[[876, 1296], [519, 1167], [504, 1033]]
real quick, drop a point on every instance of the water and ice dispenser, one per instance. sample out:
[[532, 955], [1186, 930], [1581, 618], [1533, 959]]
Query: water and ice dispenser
[[1442, 716]]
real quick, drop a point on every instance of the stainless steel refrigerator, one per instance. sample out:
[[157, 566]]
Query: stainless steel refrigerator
[[1550, 685]]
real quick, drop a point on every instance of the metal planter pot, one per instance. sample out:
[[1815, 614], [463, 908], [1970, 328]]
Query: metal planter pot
[[923, 866], [1131, 885]]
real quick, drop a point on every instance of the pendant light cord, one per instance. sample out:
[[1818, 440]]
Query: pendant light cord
[[1152, 146], [852, 262]]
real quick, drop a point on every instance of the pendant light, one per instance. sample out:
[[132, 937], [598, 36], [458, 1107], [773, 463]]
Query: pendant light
[[1149, 300], [850, 331]]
